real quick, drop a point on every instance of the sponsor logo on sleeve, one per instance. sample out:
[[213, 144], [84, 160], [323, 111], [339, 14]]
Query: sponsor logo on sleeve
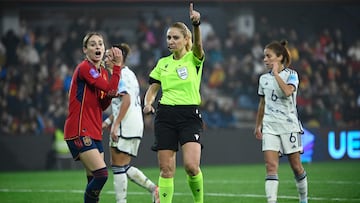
[[94, 73]]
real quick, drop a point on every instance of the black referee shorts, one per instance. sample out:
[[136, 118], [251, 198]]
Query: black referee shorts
[[176, 125]]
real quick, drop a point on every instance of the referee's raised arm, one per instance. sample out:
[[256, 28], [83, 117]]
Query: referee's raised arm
[[197, 41]]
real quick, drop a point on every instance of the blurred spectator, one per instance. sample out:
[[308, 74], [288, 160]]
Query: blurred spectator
[[213, 47], [228, 119], [211, 114], [217, 76], [354, 51], [206, 28], [11, 42], [2, 56]]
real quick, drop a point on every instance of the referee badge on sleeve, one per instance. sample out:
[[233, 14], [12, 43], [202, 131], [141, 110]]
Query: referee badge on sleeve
[[182, 72]]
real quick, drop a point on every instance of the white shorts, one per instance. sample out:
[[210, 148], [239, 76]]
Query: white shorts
[[129, 145], [284, 143]]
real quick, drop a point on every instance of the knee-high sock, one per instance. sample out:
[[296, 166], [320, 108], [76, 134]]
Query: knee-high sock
[[120, 183], [271, 188], [166, 189], [197, 187], [138, 177], [302, 186], [89, 178], [95, 186]]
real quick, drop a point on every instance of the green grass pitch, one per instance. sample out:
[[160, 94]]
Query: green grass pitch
[[337, 181]]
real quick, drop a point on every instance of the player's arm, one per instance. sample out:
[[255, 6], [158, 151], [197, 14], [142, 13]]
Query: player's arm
[[105, 102], [197, 47], [287, 89], [125, 104], [150, 96], [104, 98], [259, 118], [93, 77], [107, 122]]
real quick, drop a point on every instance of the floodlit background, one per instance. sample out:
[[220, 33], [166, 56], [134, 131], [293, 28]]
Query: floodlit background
[[41, 45]]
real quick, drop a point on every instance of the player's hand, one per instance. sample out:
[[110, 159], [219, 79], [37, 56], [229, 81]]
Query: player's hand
[[276, 66], [116, 57], [104, 125], [194, 15], [114, 132], [108, 64], [258, 133]]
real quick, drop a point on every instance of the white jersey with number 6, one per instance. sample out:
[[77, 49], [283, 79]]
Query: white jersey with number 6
[[280, 113]]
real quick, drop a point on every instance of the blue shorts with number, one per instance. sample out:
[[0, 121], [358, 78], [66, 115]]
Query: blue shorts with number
[[82, 144]]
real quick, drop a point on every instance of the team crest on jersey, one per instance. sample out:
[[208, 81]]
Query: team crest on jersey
[[182, 72], [87, 141]]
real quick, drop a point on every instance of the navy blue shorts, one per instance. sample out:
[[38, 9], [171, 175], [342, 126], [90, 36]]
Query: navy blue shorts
[[82, 144], [176, 125]]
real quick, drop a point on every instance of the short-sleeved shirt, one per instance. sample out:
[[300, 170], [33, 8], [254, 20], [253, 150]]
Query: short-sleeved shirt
[[180, 79], [132, 124], [280, 112]]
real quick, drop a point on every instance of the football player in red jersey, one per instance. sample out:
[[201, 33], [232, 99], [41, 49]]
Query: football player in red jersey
[[90, 93]]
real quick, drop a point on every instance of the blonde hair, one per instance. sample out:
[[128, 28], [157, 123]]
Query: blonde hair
[[186, 33]]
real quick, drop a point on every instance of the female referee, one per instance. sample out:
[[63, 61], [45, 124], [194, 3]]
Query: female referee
[[177, 119]]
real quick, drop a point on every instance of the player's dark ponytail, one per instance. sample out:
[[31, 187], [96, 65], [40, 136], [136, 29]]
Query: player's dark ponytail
[[286, 53], [125, 49]]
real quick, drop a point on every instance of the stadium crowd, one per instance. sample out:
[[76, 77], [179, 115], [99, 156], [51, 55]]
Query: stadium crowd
[[37, 64]]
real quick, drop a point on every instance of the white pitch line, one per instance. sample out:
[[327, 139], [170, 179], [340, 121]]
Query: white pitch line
[[340, 182], [5, 190]]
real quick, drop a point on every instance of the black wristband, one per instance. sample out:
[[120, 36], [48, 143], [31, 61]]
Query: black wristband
[[196, 23]]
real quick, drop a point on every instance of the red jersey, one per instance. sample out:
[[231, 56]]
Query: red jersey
[[87, 100]]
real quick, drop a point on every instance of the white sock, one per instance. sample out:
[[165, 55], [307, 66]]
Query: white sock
[[120, 183], [120, 187], [138, 177], [271, 188], [302, 187]]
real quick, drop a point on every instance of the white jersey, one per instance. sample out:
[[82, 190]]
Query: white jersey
[[132, 125], [280, 112]]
